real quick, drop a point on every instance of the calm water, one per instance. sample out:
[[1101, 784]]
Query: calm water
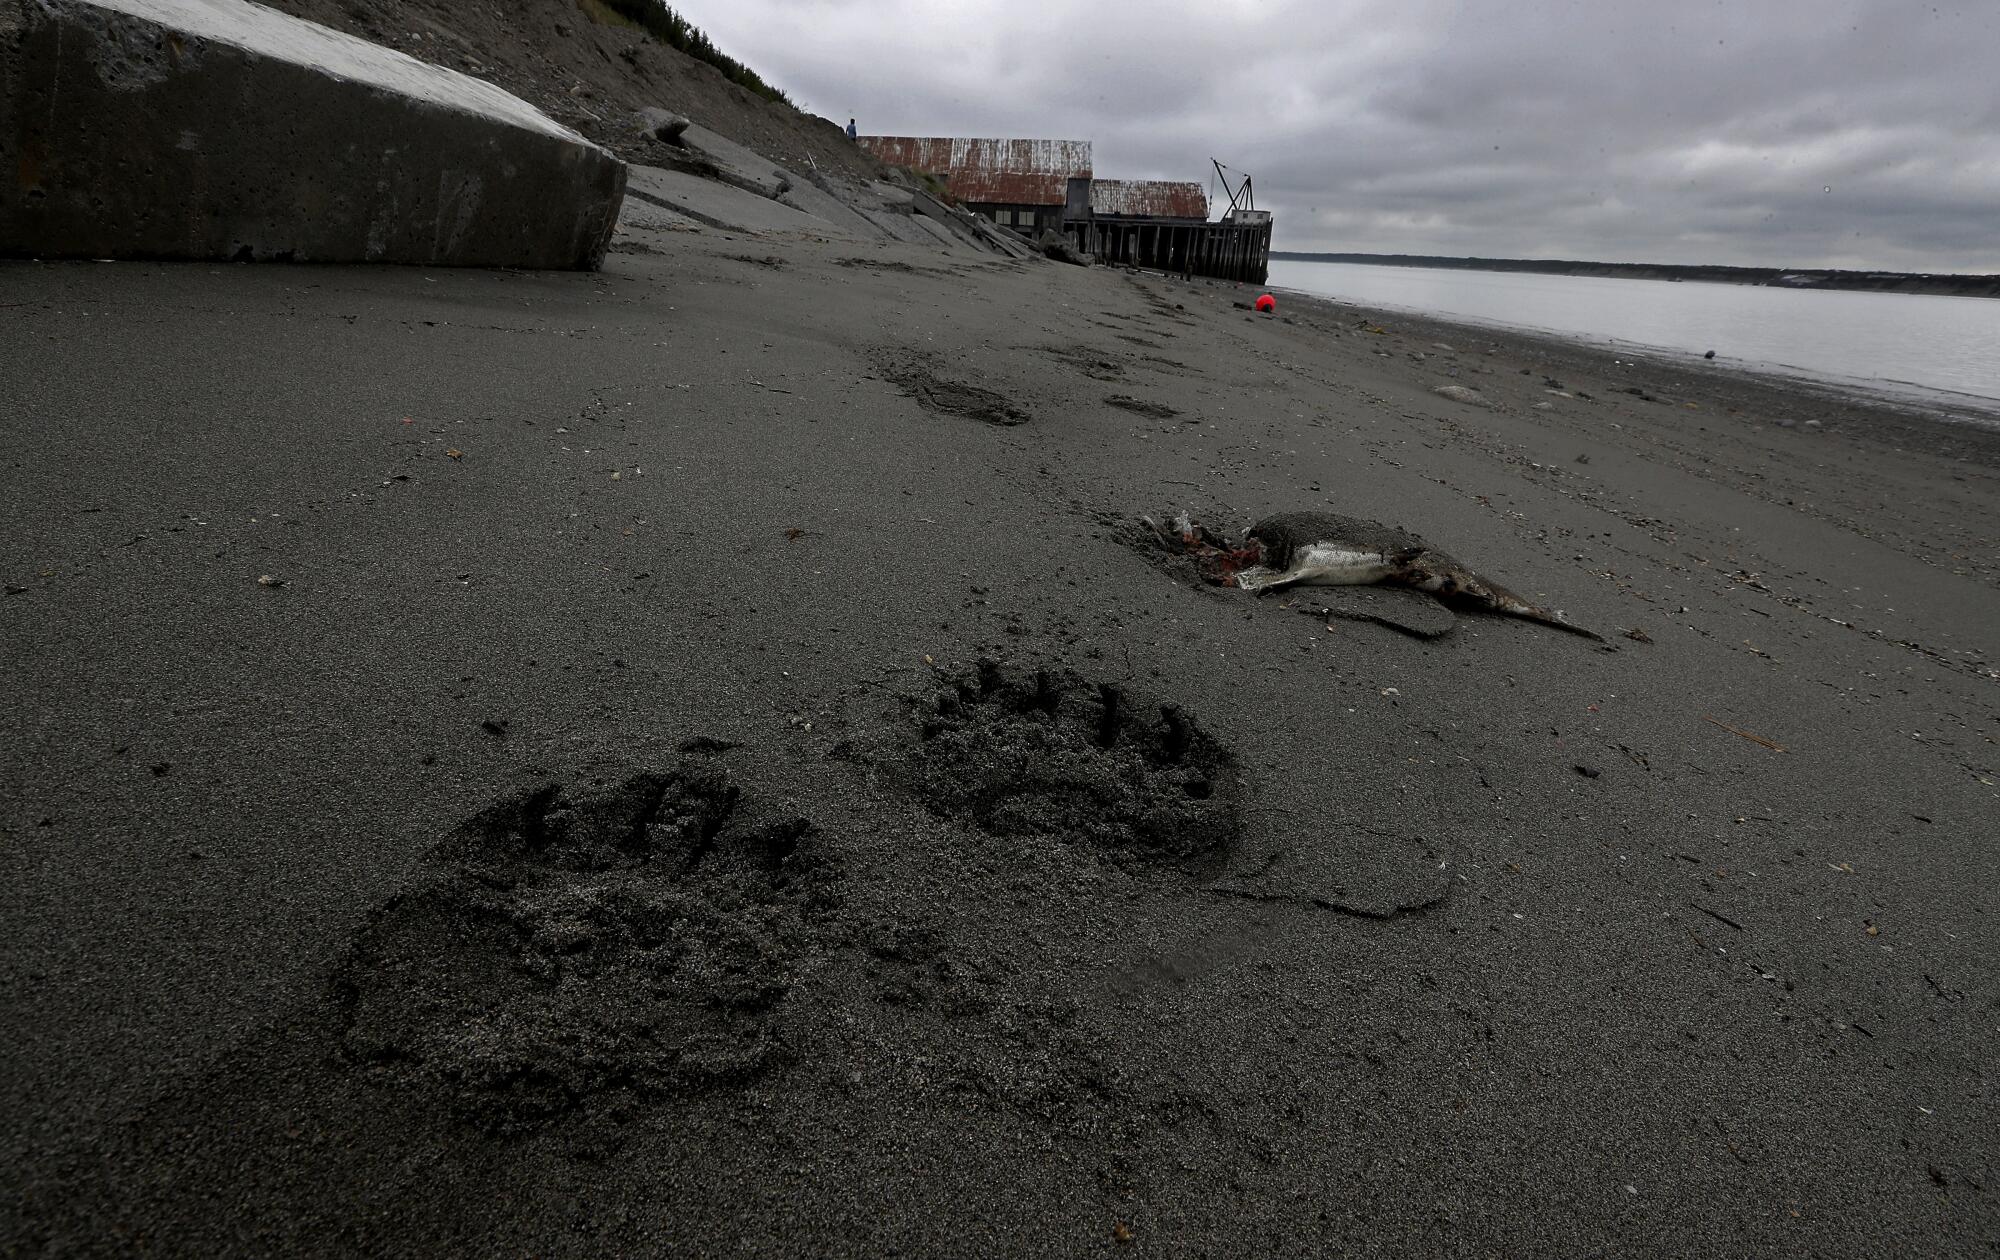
[[1941, 351]]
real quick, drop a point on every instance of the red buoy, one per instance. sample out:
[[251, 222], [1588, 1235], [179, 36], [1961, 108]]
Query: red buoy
[[1267, 303]]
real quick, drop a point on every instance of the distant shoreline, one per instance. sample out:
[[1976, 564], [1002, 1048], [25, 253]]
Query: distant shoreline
[[1772, 277]]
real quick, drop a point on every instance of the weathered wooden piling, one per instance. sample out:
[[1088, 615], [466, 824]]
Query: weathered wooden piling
[[1222, 251]]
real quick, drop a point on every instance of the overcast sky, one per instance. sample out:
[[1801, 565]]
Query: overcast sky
[[1853, 133]]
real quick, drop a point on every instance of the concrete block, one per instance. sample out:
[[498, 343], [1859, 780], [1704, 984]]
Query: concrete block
[[662, 124], [222, 129]]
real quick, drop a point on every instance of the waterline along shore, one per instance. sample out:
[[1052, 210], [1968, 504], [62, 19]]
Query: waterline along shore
[[1781, 277], [1941, 354], [609, 762]]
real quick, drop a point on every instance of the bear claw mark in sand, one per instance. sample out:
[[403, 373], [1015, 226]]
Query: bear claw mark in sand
[[1143, 407], [1054, 756], [898, 267], [1096, 367], [956, 398], [635, 941]]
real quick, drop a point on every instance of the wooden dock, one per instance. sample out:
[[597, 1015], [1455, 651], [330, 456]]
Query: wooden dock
[[1224, 251]]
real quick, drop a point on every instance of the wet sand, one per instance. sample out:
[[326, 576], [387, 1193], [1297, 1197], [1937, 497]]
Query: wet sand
[[711, 773]]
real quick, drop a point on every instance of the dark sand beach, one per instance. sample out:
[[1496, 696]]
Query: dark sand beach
[[712, 769]]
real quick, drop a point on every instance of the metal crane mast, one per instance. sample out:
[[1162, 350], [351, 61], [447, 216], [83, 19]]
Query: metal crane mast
[[1241, 198]]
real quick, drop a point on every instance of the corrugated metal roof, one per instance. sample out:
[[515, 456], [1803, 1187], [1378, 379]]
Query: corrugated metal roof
[[1148, 198], [1006, 172]]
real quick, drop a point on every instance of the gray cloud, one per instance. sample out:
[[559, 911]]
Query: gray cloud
[[1859, 133]]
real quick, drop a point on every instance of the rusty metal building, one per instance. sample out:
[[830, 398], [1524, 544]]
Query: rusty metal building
[[1034, 186], [1166, 200], [1019, 184]]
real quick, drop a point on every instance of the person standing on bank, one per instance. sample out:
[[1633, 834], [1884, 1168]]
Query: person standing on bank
[[851, 132]]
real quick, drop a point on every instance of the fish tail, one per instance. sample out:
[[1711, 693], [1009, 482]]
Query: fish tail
[[1503, 600], [1559, 622], [1518, 607]]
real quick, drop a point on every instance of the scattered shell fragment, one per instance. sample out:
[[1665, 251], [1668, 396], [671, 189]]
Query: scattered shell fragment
[[1464, 394]]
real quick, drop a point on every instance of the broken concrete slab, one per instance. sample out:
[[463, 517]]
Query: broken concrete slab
[[897, 225], [940, 234], [998, 240], [1007, 243], [969, 227], [637, 212], [861, 213], [898, 206], [223, 129], [723, 205], [734, 164], [892, 194], [815, 200]]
